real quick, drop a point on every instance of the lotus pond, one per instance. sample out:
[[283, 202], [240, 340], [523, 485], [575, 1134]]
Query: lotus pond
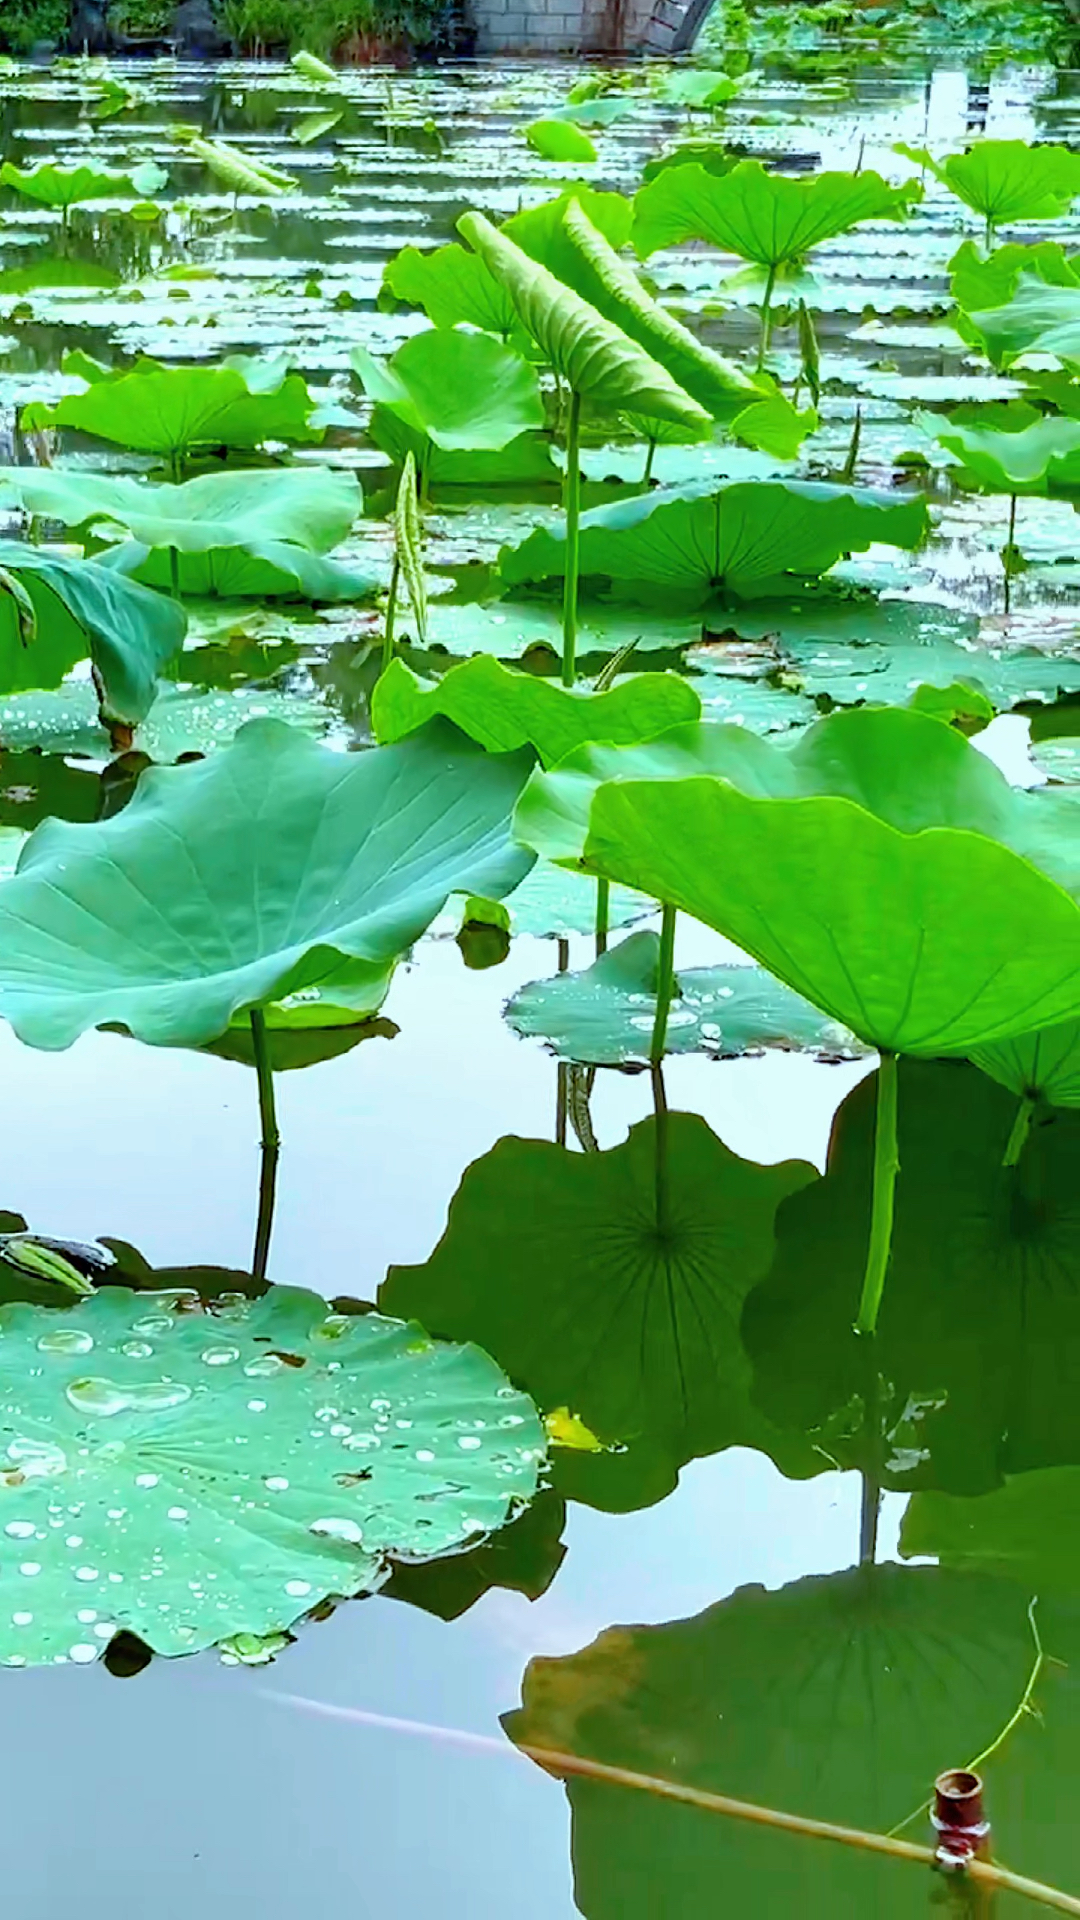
[[540, 988]]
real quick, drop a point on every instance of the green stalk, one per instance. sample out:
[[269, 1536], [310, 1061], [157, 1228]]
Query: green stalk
[[603, 905], [665, 984], [1009, 552], [660, 1167], [649, 458], [763, 344], [573, 516], [174, 573], [391, 615], [270, 1142], [886, 1168], [562, 1101], [1021, 1127]]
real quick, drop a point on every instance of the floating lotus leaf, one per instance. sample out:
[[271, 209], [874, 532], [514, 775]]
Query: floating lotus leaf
[[504, 709], [310, 507], [66, 186], [761, 216], [747, 538], [559, 140], [1028, 1530], [978, 1339], [979, 280], [248, 877], [696, 87], [49, 275], [1007, 180], [840, 1699], [611, 1284], [552, 902], [73, 610], [1013, 448], [604, 1016], [463, 391], [521, 1558], [878, 864], [594, 357], [186, 1476], [1038, 319], [171, 410], [260, 569]]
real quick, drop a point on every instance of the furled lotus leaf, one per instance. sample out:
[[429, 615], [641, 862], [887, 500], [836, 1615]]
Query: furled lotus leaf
[[977, 1348], [170, 410], [611, 1284], [604, 1016], [559, 140], [1037, 319], [594, 357], [1038, 1066], [247, 877], [505, 709], [310, 507], [750, 537], [610, 284], [66, 186], [541, 231], [1007, 179], [464, 391], [1012, 447], [879, 865], [761, 216], [839, 1699], [80, 611], [186, 1476]]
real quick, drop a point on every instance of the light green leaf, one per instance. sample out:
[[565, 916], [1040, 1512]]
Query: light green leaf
[[171, 410], [311, 507], [594, 357], [275, 569], [541, 231], [761, 216], [237, 171], [1037, 1066], [194, 1445], [751, 537], [66, 186], [775, 426], [979, 280], [559, 140], [1006, 180], [1037, 319], [247, 877], [524, 462], [701, 88], [310, 67], [453, 286], [1011, 447], [409, 550], [464, 391], [504, 709]]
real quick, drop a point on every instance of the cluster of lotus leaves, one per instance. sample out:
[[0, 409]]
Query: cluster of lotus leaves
[[274, 867], [190, 1474]]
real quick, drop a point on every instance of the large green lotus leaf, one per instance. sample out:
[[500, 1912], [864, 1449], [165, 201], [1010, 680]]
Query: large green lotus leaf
[[187, 1476], [978, 1341], [594, 357], [525, 462], [878, 865], [1012, 448], [610, 284], [505, 709], [66, 186], [553, 902], [1039, 1066], [559, 140], [465, 391], [453, 286], [1026, 1530], [48, 275], [749, 537], [605, 1015], [169, 410], [764, 217], [700, 87], [541, 231], [521, 1558], [259, 569], [246, 877], [1007, 179], [308, 506], [840, 1699], [979, 280], [1037, 319], [611, 1284], [82, 610]]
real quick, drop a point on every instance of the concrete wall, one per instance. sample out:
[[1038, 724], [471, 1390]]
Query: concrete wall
[[590, 26]]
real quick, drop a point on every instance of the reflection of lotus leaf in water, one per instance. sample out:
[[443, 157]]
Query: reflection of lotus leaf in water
[[840, 1699], [979, 1336], [190, 1475]]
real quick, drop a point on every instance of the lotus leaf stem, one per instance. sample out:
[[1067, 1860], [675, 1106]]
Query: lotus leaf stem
[[847, 472], [271, 1143], [603, 908], [573, 516], [1008, 554], [391, 615], [1021, 1127], [886, 1168], [766, 321], [868, 1519], [660, 1168], [562, 1102], [174, 573], [665, 984], [649, 458]]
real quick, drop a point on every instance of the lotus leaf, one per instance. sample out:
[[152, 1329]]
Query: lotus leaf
[[613, 288], [1038, 319], [594, 357], [746, 538], [521, 1558], [552, 902], [309, 506], [775, 425], [171, 410], [1026, 1530], [66, 186], [524, 462], [978, 1339], [760, 216], [1037, 1066], [260, 569], [878, 865], [310, 67], [464, 391], [48, 275], [701, 88], [710, 154], [839, 1699], [979, 280], [247, 877], [605, 1016], [1012, 447], [504, 709], [611, 1284], [453, 286], [541, 231], [1007, 180], [81, 610], [149, 1438], [559, 140]]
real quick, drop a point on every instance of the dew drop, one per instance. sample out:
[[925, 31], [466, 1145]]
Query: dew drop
[[37, 1459], [178, 1513], [66, 1340], [152, 1326], [82, 1653], [425, 1454], [469, 1442], [137, 1349], [20, 1529], [256, 1406], [87, 1573], [264, 1366], [86, 1616], [298, 1589], [30, 1567], [219, 1356], [105, 1628], [276, 1483], [338, 1530], [362, 1442], [22, 1619], [146, 1479], [154, 1396], [101, 1397]]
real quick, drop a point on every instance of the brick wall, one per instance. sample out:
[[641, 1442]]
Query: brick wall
[[559, 27]]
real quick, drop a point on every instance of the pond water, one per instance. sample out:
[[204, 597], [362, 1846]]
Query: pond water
[[197, 1786]]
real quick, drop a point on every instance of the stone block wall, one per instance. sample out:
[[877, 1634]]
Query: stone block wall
[[554, 27]]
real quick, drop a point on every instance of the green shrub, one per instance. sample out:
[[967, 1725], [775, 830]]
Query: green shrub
[[22, 22], [347, 28], [142, 19]]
